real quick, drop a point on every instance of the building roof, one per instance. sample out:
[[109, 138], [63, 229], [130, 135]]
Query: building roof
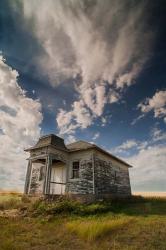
[[49, 140], [79, 145], [58, 142], [83, 145]]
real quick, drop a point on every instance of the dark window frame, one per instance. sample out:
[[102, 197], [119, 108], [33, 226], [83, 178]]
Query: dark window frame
[[115, 176], [75, 169]]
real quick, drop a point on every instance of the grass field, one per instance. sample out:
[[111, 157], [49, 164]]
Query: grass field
[[133, 224]]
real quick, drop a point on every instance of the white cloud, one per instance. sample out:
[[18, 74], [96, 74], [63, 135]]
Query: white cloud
[[70, 139], [149, 170], [94, 98], [148, 161], [130, 144], [81, 114], [78, 117], [104, 121], [125, 146], [158, 135], [114, 96], [96, 136], [104, 43], [20, 118], [157, 104], [137, 119], [127, 78]]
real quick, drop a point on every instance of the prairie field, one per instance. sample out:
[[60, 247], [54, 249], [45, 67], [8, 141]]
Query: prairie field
[[151, 194], [137, 223]]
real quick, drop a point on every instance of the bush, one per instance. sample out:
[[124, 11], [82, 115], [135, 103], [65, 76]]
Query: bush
[[37, 207], [92, 209], [68, 207], [65, 206]]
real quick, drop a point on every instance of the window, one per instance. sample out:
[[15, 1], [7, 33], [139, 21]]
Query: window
[[75, 169], [41, 174], [115, 176]]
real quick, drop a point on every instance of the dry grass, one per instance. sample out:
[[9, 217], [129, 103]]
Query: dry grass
[[106, 233], [93, 229], [151, 194], [133, 225], [9, 192], [6, 195], [10, 200]]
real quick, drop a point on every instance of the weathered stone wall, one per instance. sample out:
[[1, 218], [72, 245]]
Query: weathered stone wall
[[111, 176], [84, 184]]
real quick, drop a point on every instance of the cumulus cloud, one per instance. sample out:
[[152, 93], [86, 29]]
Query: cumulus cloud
[[78, 117], [101, 46], [130, 144], [156, 103], [148, 170], [148, 161], [20, 118]]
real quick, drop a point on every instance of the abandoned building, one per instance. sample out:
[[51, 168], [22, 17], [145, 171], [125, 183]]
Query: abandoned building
[[79, 169]]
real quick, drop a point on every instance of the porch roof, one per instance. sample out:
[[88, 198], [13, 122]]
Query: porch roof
[[49, 140]]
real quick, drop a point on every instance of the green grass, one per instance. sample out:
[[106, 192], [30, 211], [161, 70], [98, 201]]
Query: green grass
[[135, 224]]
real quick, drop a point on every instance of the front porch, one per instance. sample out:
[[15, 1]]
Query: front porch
[[46, 175]]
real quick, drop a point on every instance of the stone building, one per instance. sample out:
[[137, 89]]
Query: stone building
[[80, 169]]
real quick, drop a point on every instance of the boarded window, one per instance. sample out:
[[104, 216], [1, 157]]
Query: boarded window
[[75, 169]]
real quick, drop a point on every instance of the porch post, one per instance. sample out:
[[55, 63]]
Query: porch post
[[67, 177], [28, 174], [47, 175], [93, 169]]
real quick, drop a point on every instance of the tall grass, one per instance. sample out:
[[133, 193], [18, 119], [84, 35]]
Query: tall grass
[[93, 229]]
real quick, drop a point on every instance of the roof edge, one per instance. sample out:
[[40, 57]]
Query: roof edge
[[113, 156], [37, 147]]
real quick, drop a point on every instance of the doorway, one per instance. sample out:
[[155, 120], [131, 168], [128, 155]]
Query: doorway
[[58, 178]]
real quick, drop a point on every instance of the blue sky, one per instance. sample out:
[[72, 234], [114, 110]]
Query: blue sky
[[85, 70]]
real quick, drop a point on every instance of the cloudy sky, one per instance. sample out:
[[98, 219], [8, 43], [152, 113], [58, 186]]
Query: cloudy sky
[[85, 70]]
